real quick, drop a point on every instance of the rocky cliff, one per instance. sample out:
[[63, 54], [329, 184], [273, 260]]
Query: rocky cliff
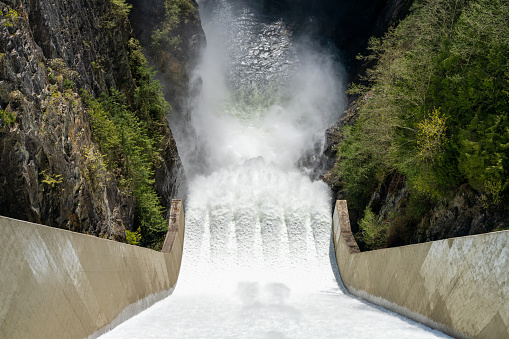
[[391, 204], [51, 170], [172, 33], [173, 38]]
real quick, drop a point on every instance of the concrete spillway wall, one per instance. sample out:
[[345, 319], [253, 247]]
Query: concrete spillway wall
[[59, 284], [459, 286]]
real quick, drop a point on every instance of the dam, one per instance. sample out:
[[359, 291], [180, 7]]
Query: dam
[[262, 245], [257, 252]]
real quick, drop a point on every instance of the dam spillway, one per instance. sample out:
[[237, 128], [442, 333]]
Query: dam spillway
[[257, 258], [273, 291]]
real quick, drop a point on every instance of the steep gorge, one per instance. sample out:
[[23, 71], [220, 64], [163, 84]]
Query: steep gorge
[[51, 170]]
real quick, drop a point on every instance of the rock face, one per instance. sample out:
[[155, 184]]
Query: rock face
[[173, 47], [467, 213], [175, 53], [50, 170]]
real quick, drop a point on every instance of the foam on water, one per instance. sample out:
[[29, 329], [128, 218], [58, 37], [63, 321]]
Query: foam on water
[[256, 222], [256, 260], [257, 264]]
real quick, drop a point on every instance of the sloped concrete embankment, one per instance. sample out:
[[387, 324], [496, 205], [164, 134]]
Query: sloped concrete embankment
[[459, 286], [59, 284]]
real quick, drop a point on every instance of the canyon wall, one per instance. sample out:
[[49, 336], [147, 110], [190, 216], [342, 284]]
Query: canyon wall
[[50, 169], [424, 200]]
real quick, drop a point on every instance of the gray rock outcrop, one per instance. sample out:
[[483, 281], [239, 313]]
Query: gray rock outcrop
[[50, 169]]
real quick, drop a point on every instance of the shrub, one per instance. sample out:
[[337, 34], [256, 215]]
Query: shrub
[[68, 84], [448, 54], [7, 118], [131, 154], [129, 134], [430, 136], [373, 231], [117, 15], [164, 36], [95, 170], [483, 158], [51, 179], [133, 238]]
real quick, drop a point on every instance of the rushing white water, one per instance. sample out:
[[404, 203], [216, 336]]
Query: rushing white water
[[256, 258]]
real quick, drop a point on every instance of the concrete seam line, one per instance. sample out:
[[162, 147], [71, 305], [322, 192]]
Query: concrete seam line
[[405, 312], [440, 272]]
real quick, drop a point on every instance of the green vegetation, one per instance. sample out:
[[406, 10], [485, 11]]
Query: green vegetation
[[68, 84], [164, 36], [131, 154], [129, 128], [7, 118], [373, 231], [147, 98], [51, 179], [95, 170], [117, 15], [133, 238], [435, 105], [9, 19]]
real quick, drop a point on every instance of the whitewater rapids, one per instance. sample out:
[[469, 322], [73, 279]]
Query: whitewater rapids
[[257, 258]]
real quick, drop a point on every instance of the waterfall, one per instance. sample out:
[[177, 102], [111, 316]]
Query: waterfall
[[267, 98], [257, 243]]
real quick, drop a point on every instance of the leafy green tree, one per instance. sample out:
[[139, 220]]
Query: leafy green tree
[[165, 35], [373, 231], [131, 154], [452, 55], [129, 127]]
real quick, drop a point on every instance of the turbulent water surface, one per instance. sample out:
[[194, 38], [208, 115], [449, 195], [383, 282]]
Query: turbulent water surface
[[256, 258]]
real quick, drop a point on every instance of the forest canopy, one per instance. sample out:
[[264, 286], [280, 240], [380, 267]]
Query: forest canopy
[[435, 105]]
